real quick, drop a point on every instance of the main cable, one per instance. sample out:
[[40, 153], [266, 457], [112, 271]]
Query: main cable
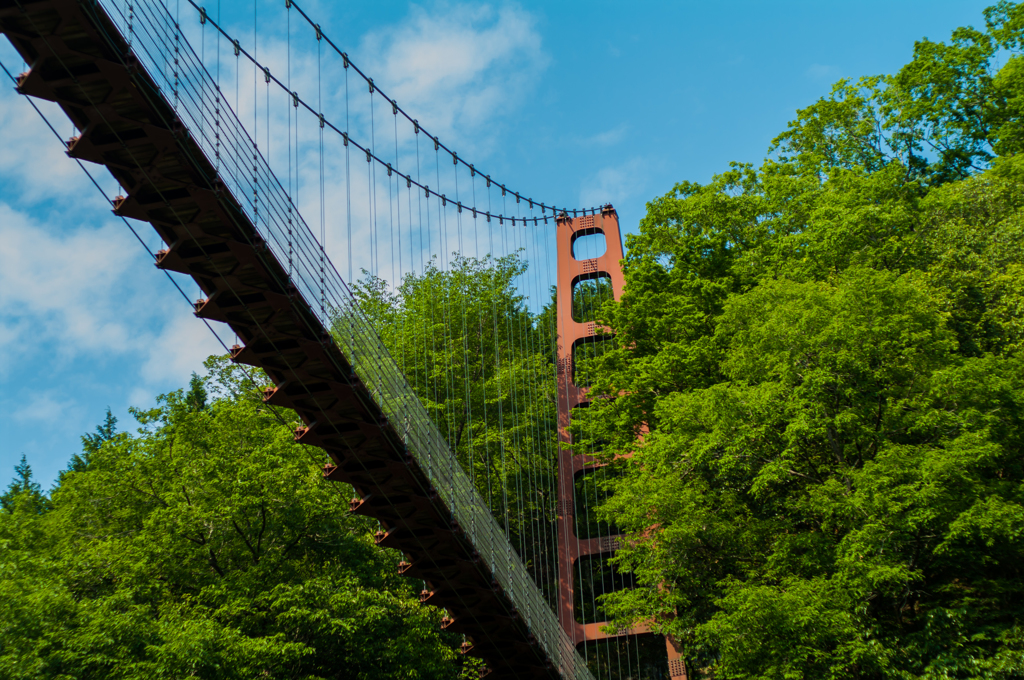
[[240, 51]]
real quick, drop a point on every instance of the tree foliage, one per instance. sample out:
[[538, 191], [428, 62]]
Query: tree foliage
[[206, 545], [827, 354], [482, 365], [23, 493]]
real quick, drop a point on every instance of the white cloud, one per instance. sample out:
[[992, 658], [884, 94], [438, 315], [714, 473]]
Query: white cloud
[[73, 281], [32, 160], [65, 283], [88, 292], [458, 67]]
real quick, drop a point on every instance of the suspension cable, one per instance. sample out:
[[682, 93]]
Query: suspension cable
[[368, 150]]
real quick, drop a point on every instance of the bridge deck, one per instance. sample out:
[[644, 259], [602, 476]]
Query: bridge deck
[[82, 62]]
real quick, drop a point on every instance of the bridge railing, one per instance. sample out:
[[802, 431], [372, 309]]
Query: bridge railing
[[161, 48]]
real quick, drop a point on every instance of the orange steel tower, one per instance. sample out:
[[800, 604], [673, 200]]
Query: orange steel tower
[[571, 335]]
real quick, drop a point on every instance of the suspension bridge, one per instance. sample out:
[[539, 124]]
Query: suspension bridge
[[228, 170]]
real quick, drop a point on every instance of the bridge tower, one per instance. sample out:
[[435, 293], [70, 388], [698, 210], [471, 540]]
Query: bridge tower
[[573, 334]]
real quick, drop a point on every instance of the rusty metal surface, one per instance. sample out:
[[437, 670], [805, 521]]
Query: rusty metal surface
[[80, 61], [570, 333]]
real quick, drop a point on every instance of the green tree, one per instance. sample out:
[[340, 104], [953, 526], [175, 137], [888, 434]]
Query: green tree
[[825, 353], [91, 443], [943, 116], [208, 545], [23, 493]]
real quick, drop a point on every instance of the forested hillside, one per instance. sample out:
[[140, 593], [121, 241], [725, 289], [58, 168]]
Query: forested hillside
[[827, 351]]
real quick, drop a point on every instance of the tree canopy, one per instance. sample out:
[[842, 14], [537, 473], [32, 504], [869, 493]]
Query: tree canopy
[[204, 545], [826, 354]]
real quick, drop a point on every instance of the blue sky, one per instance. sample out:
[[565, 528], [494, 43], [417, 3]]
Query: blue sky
[[575, 103]]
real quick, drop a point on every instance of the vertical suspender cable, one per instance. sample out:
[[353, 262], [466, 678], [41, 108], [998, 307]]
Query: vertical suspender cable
[[525, 445], [292, 180], [323, 213], [539, 420], [512, 445], [372, 179], [498, 377], [348, 179], [398, 273], [466, 273], [537, 408], [393, 275], [220, 102], [550, 435], [412, 267], [268, 157], [532, 556], [486, 462], [513, 392], [255, 120], [446, 303], [443, 279]]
